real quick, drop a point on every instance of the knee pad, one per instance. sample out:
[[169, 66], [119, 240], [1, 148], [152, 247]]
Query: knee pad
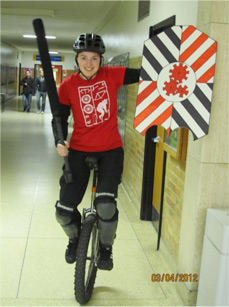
[[64, 214], [106, 208], [69, 221], [107, 232], [62, 218], [108, 219]]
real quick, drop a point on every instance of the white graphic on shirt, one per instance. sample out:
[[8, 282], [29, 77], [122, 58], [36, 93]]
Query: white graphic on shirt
[[95, 103], [102, 108]]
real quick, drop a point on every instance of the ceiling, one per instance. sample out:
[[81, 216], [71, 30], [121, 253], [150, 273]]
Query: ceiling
[[63, 19]]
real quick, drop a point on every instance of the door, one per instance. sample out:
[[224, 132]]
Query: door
[[175, 146], [57, 73]]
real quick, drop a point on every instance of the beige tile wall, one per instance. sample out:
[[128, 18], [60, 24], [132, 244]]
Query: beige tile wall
[[134, 146], [172, 206], [207, 168]]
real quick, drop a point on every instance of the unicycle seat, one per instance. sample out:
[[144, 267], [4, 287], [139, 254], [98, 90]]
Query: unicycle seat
[[92, 162]]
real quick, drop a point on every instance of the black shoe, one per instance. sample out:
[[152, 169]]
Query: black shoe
[[70, 254], [105, 261]]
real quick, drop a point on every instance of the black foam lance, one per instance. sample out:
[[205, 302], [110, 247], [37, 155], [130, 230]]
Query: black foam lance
[[51, 87]]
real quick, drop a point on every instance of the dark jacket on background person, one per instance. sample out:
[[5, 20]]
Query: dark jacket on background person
[[30, 87], [41, 85]]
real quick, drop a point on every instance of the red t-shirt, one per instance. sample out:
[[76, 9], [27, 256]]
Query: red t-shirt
[[94, 109]]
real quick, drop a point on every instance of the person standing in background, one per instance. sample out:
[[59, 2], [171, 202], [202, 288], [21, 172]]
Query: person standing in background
[[28, 84], [41, 92]]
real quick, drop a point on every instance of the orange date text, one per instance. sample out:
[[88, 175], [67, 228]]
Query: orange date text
[[174, 277]]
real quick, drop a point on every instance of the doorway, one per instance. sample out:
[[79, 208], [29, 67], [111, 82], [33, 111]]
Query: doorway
[[57, 73]]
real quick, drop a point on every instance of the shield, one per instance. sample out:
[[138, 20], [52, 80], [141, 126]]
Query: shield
[[176, 81]]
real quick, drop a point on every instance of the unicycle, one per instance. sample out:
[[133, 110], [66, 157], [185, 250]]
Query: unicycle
[[88, 247]]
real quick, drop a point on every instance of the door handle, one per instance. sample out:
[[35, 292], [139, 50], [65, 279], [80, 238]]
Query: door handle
[[156, 139]]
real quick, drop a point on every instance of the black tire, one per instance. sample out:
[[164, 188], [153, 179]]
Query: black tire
[[86, 258]]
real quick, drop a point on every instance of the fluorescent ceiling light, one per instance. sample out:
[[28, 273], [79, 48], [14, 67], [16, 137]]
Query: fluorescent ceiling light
[[50, 37], [53, 52], [34, 36], [29, 36]]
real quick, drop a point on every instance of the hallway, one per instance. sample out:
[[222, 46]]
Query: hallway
[[33, 269]]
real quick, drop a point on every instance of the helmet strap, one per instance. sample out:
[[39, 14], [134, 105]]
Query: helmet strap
[[101, 60], [88, 79]]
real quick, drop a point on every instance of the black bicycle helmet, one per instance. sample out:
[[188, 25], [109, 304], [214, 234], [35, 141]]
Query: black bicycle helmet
[[89, 42]]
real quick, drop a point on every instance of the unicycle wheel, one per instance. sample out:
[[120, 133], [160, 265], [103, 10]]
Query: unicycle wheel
[[86, 258]]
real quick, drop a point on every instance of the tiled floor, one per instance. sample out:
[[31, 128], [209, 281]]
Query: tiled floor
[[33, 269]]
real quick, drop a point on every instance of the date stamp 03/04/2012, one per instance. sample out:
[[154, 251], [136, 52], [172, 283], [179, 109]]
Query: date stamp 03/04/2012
[[174, 277]]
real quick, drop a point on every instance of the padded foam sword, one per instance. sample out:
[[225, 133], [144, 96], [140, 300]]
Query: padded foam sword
[[51, 87]]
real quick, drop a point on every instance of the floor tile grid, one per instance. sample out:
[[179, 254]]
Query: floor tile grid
[[26, 249], [8, 134], [27, 240], [160, 261]]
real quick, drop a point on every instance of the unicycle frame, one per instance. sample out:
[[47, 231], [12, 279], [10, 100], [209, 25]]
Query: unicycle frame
[[92, 210], [93, 195]]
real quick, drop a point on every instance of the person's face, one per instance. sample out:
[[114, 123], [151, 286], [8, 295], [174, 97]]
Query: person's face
[[41, 73], [89, 63], [28, 74]]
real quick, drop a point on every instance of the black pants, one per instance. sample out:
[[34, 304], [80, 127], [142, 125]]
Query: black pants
[[109, 176]]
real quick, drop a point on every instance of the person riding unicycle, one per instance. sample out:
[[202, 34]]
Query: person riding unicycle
[[84, 93]]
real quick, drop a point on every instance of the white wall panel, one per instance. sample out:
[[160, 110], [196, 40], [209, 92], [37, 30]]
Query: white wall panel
[[123, 33]]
